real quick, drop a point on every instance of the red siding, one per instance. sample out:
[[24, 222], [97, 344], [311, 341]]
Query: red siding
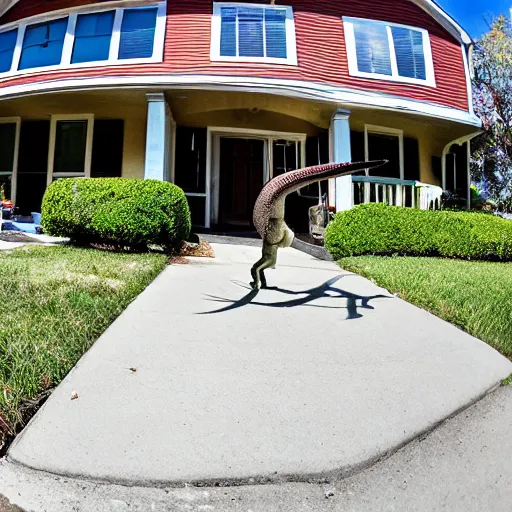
[[320, 47]]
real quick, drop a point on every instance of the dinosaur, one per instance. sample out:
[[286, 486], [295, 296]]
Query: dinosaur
[[268, 214]]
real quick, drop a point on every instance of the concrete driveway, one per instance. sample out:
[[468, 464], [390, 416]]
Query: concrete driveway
[[203, 380]]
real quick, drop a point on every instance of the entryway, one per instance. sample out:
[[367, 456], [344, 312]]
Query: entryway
[[241, 180], [239, 163]]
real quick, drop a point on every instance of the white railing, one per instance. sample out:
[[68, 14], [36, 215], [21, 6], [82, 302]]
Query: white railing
[[395, 192]]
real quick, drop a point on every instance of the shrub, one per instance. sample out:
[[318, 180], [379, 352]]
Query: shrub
[[385, 230], [119, 211]]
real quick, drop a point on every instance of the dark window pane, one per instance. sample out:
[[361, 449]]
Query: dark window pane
[[5, 187], [190, 166], [381, 146], [32, 165], [250, 32], [228, 32], [275, 33], [137, 33], [107, 148], [372, 48], [42, 44], [409, 52], [93, 34], [70, 141], [7, 141], [197, 207], [7, 45]]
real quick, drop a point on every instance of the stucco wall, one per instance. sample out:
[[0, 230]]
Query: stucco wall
[[132, 108]]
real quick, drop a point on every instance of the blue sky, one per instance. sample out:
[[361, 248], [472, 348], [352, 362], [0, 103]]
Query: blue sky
[[471, 13]]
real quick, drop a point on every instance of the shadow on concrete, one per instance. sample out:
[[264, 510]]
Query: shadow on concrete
[[303, 298]]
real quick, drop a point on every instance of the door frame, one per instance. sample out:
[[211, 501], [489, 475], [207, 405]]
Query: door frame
[[384, 130], [214, 134], [14, 175], [54, 119]]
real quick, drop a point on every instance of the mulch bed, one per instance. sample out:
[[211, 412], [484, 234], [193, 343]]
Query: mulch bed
[[16, 236]]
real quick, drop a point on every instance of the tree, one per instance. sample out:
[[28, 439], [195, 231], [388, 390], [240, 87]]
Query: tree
[[491, 164]]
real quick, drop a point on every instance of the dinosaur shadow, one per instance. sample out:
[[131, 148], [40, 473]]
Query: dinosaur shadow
[[303, 298]]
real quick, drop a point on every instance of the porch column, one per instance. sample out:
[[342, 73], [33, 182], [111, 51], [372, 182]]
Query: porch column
[[341, 152], [158, 138]]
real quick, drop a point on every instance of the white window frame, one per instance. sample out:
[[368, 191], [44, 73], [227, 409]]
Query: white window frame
[[69, 39], [51, 176], [384, 130], [291, 43], [14, 174], [350, 41]]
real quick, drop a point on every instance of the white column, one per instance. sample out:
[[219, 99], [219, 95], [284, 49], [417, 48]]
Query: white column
[[341, 152], [159, 138]]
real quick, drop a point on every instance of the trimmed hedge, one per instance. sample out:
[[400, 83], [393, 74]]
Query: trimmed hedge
[[384, 230], [118, 211]]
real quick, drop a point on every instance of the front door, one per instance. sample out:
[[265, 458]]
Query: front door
[[241, 180]]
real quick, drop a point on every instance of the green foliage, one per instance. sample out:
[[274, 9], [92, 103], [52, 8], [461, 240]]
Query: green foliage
[[491, 164], [385, 230], [116, 211], [474, 295], [60, 300]]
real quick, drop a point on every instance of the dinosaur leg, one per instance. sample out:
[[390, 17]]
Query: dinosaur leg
[[268, 259]]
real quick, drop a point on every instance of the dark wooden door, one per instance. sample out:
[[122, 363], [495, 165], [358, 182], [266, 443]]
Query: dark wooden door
[[241, 179]]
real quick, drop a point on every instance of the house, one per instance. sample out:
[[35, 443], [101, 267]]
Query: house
[[221, 96]]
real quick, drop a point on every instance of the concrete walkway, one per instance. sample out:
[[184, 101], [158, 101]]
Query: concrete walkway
[[309, 381], [465, 465]]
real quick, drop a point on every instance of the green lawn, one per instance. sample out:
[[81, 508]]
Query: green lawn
[[56, 301], [474, 295]]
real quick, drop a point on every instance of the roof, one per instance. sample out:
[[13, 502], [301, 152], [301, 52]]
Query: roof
[[429, 6]]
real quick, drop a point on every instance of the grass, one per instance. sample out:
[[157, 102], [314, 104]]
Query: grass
[[474, 295], [56, 301]]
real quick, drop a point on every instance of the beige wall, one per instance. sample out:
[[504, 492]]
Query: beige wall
[[234, 109], [129, 106]]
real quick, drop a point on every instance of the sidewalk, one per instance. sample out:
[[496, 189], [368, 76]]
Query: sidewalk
[[310, 381]]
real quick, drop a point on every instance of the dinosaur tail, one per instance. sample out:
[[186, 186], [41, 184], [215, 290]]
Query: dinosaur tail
[[292, 181]]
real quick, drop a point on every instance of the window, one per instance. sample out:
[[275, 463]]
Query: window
[[7, 46], [93, 34], [254, 33], [70, 146], [137, 33], [43, 43], [70, 141], [388, 51], [382, 143], [104, 37], [9, 140]]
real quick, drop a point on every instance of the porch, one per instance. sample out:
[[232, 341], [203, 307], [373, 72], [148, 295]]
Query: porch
[[222, 147]]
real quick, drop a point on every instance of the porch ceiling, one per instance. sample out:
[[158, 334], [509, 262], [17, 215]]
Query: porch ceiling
[[190, 104]]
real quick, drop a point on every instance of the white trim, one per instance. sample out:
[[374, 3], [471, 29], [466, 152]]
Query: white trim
[[291, 45], [14, 173], [384, 130], [88, 146], [350, 42], [446, 150], [467, 74], [214, 134], [287, 88], [444, 19], [69, 39]]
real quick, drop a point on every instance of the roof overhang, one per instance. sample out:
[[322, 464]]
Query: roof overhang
[[429, 6]]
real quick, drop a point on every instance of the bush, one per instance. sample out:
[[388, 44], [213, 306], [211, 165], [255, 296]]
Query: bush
[[118, 211], [385, 230]]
